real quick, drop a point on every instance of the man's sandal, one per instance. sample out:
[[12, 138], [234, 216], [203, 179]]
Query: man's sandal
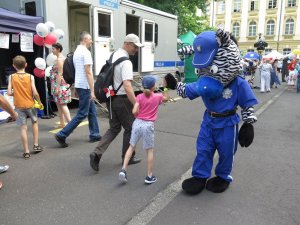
[[37, 148], [1, 184], [26, 155]]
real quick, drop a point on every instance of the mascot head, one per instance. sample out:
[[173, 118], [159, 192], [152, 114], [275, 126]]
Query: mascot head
[[217, 60]]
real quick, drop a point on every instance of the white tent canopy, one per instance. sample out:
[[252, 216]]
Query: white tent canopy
[[273, 55]]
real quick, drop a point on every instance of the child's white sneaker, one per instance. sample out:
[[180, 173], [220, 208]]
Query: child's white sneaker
[[123, 176]]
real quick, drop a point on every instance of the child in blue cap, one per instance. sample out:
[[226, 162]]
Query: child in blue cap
[[145, 110]]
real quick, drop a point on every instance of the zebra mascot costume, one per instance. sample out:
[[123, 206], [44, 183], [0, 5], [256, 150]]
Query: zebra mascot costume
[[217, 60]]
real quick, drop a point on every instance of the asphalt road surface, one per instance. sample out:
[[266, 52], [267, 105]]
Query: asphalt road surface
[[57, 186]]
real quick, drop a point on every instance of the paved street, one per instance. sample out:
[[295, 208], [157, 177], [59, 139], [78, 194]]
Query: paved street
[[58, 186]]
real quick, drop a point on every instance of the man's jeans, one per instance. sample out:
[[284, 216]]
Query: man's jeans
[[86, 108]]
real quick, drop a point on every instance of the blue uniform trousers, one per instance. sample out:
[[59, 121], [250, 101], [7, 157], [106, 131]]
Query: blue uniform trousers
[[225, 141]]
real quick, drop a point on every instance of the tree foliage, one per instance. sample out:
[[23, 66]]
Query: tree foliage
[[186, 10]]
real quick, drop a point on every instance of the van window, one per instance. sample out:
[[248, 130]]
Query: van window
[[30, 8], [148, 32], [104, 25], [156, 35]]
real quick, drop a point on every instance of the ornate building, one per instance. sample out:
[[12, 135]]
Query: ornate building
[[278, 21]]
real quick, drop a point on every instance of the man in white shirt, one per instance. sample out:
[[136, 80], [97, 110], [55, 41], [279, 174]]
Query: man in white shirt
[[84, 86], [122, 103]]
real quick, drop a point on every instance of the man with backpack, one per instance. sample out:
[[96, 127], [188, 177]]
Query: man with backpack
[[84, 86], [121, 104]]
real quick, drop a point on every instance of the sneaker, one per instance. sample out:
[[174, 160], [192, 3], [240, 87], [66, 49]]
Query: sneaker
[[61, 141], [123, 176], [95, 139], [3, 168], [150, 180], [94, 161]]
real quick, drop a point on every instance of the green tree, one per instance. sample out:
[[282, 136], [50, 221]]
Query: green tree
[[186, 10]]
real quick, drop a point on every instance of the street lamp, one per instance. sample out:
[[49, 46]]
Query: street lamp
[[260, 45]]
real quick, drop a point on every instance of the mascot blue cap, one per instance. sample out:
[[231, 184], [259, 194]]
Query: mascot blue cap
[[205, 47]]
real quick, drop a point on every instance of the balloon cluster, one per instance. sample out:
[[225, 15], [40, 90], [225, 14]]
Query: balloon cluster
[[46, 36]]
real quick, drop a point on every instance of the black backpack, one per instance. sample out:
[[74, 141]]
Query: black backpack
[[69, 69], [105, 80]]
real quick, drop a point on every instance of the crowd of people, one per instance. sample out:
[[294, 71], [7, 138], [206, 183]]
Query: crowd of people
[[135, 114], [269, 72]]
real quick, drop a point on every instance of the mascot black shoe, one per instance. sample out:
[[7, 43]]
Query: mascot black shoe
[[217, 185], [222, 89], [193, 185]]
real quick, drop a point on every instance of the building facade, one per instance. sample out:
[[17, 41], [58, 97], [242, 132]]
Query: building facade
[[278, 22]]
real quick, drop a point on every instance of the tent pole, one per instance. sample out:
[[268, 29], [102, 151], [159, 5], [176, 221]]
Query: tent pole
[[46, 89]]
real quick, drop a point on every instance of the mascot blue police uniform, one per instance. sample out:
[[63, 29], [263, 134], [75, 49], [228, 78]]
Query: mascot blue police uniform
[[217, 61]]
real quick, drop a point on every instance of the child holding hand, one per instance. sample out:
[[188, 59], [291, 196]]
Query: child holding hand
[[145, 110]]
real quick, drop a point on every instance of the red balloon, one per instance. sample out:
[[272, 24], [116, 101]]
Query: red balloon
[[38, 40], [50, 39], [39, 73]]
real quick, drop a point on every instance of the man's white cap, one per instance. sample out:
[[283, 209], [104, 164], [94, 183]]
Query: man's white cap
[[133, 39]]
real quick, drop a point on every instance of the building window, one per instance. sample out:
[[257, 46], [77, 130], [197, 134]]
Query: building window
[[252, 29], [272, 4], [253, 5], [289, 26], [291, 3], [267, 51], [286, 51], [236, 29], [221, 7], [236, 5], [207, 10], [270, 27]]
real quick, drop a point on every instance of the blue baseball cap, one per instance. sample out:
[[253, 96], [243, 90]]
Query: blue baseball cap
[[149, 81], [205, 47]]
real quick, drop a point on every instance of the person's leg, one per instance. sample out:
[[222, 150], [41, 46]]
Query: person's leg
[[24, 138], [22, 122], [107, 138], [66, 112], [268, 77], [60, 114], [205, 153], [93, 122], [150, 159], [83, 109], [262, 83], [226, 145], [128, 157], [124, 113], [110, 134], [35, 132]]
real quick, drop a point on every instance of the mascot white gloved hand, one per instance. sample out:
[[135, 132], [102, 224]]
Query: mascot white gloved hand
[[217, 60]]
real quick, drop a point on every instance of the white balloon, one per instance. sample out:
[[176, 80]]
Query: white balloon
[[47, 71], [50, 26], [59, 33], [42, 30], [51, 59], [40, 63]]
